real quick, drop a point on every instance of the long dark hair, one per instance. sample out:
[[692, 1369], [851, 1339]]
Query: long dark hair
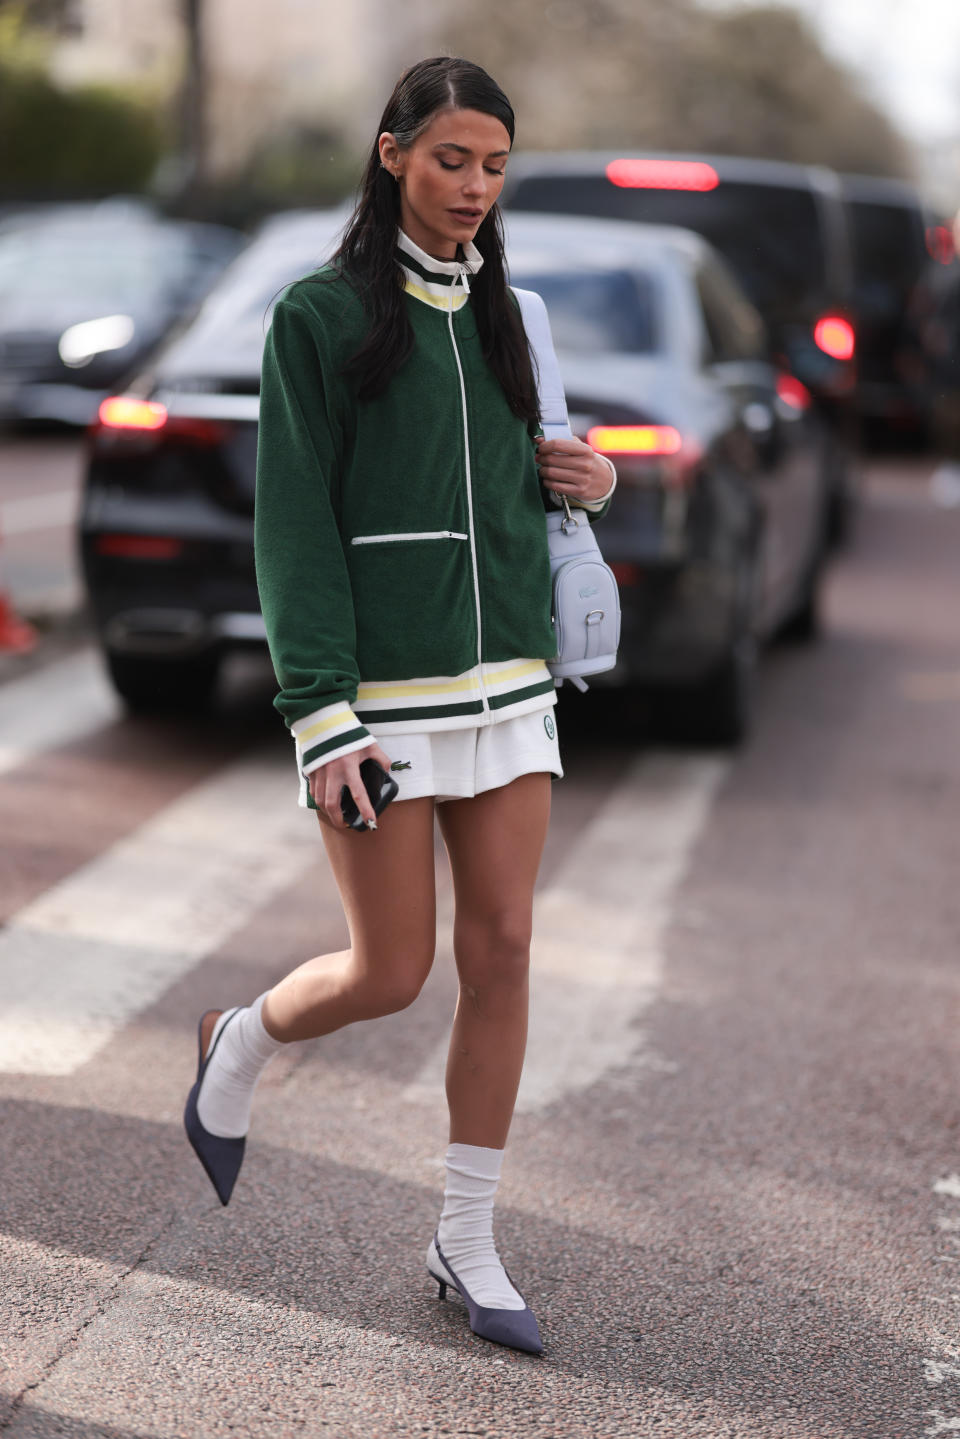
[[367, 253]]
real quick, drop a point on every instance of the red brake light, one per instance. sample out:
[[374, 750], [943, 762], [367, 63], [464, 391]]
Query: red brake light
[[835, 337], [940, 246], [662, 175], [792, 392], [635, 439], [122, 412]]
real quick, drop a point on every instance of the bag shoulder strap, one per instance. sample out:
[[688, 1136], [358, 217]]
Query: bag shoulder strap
[[553, 401]]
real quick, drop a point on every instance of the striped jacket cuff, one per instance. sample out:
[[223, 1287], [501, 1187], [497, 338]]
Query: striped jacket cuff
[[327, 734]]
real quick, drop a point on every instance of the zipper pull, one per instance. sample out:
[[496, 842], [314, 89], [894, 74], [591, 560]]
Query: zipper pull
[[462, 277]]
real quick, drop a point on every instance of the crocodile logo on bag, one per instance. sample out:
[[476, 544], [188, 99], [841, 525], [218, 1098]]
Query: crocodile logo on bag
[[400, 764], [549, 726], [587, 591]]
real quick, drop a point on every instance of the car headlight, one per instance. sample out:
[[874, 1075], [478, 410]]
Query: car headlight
[[80, 343]]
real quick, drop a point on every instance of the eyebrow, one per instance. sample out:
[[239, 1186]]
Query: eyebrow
[[465, 149]]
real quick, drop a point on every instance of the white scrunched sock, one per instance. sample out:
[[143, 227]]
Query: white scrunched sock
[[226, 1094], [465, 1232]]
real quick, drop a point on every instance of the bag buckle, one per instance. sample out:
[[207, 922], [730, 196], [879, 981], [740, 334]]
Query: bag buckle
[[569, 520]]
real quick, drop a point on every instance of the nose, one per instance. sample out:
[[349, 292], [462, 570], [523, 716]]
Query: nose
[[473, 182]]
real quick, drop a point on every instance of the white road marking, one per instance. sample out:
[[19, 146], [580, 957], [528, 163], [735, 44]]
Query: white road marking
[[86, 956], [65, 701], [943, 1367], [599, 930], [39, 512]]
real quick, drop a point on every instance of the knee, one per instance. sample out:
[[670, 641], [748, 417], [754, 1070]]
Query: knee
[[494, 950], [388, 990]]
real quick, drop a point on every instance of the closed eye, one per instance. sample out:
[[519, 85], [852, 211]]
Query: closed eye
[[444, 166]]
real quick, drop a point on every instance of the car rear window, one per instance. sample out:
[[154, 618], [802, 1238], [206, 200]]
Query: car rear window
[[596, 312], [113, 267], [770, 234]]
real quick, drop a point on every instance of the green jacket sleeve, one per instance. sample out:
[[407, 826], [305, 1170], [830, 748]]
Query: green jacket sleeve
[[302, 575]]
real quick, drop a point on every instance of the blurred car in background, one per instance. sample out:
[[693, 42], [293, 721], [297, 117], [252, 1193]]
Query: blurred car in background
[[86, 292], [889, 229], [716, 536], [782, 228]]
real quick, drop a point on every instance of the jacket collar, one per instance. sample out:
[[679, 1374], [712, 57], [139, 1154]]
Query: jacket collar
[[443, 284]]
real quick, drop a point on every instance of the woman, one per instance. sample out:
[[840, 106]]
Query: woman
[[404, 579]]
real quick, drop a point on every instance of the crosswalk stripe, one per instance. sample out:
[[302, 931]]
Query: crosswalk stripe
[[94, 950], [598, 949], [65, 701]]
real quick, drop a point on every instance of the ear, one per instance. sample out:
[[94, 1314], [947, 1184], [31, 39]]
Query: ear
[[391, 156]]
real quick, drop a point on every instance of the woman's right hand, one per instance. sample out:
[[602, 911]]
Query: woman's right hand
[[327, 782]]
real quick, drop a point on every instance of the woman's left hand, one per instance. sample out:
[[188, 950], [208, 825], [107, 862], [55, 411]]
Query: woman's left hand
[[572, 468]]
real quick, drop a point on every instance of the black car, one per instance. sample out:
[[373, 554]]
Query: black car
[[716, 534], [86, 292], [782, 228]]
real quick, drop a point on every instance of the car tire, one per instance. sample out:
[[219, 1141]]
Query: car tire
[[717, 712], [164, 686], [804, 624], [721, 708], [842, 505]]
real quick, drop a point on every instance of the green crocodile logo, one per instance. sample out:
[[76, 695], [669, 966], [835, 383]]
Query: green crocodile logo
[[400, 764]]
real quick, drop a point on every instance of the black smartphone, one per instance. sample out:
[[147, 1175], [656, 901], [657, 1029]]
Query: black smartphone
[[381, 788]]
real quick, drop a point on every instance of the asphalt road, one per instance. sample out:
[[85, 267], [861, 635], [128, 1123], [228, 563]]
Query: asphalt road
[[732, 1192]]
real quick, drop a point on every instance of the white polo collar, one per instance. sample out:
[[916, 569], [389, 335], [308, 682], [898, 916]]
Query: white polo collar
[[443, 284]]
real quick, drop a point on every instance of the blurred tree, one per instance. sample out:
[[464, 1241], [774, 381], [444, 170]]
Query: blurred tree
[[48, 14], [757, 81], [666, 74], [93, 140]]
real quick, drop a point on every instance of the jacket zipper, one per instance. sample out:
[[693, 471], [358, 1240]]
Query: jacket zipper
[[462, 278], [410, 535]]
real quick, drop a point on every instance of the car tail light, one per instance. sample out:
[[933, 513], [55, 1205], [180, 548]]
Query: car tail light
[[835, 337], [940, 246], [139, 547], [793, 392], [651, 440], [122, 412], [662, 175]]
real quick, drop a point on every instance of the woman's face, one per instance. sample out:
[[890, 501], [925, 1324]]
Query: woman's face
[[449, 178]]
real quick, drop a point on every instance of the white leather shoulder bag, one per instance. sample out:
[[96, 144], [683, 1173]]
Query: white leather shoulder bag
[[586, 601]]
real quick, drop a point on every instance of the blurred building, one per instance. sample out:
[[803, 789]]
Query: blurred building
[[270, 67]]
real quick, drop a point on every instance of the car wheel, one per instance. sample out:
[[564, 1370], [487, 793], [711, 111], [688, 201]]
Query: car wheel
[[804, 624], [840, 466], [718, 711], [721, 708], [164, 686]]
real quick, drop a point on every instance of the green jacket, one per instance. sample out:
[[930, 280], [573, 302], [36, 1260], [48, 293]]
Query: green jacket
[[400, 543]]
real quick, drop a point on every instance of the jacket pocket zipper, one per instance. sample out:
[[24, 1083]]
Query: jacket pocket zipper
[[413, 535]]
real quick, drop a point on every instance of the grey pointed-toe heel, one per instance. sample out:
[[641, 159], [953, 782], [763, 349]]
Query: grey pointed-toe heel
[[516, 1328], [221, 1158]]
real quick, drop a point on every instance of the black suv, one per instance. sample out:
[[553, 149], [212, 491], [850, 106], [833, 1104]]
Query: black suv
[[783, 228]]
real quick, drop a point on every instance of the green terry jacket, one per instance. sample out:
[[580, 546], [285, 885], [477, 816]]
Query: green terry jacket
[[400, 544]]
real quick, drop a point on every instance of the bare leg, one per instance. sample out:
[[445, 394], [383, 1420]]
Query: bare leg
[[495, 842], [386, 883]]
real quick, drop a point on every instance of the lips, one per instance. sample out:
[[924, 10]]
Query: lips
[[470, 216]]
